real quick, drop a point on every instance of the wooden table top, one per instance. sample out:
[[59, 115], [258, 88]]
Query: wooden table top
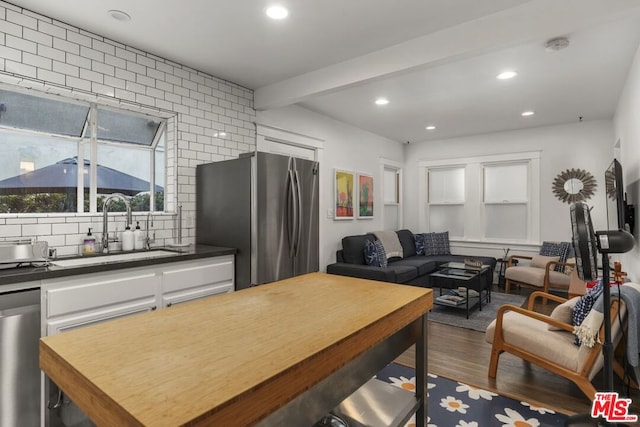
[[229, 359]]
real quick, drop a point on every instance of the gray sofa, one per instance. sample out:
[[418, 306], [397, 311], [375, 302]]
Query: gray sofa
[[411, 269]]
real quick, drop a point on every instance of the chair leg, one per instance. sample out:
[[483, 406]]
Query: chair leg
[[586, 387], [507, 286], [493, 363]]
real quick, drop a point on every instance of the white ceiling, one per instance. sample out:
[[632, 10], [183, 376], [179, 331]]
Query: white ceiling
[[435, 60]]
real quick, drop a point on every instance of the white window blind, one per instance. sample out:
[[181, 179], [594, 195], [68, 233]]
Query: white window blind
[[506, 200], [446, 196]]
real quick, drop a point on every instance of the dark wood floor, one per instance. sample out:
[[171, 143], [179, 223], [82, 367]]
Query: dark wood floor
[[463, 355]]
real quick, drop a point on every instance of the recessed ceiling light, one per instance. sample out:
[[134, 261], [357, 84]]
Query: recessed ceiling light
[[277, 12], [527, 113], [119, 15], [382, 101], [430, 127], [505, 75]]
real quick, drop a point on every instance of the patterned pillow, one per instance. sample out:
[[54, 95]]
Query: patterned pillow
[[437, 243], [584, 305], [419, 239], [559, 249], [374, 254]]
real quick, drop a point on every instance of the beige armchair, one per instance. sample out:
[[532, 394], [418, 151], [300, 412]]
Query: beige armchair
[[526, 334], [539, 273]]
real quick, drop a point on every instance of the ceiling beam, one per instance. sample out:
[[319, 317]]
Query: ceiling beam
[[534, 20]]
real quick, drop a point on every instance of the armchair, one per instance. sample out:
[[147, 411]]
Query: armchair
[[544, 271], [549, 342]]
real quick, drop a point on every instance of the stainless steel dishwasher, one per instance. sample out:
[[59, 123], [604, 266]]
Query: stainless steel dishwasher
[[19, 368]]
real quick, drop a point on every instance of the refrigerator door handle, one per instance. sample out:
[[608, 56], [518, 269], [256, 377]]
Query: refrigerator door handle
[[291, 213], [298, 214]]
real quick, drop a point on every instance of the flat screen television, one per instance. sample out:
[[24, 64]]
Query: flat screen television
[[620, 215]]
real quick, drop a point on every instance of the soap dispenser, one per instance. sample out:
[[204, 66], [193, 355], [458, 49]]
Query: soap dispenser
[[138, 239], [127, 239], [89, 244]]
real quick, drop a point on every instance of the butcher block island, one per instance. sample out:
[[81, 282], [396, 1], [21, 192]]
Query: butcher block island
[[290, 350]]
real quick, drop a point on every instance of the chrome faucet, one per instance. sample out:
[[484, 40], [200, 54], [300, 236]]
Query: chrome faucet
[[105, 219], [148, 240]]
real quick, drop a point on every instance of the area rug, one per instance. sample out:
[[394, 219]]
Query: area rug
[[478, 320], [454, 404]]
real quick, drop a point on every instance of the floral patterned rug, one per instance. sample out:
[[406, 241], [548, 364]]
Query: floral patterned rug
[[454, 404]]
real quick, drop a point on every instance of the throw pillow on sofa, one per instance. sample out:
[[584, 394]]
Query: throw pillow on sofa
[[374, 254], [419, 240], [437, 243]]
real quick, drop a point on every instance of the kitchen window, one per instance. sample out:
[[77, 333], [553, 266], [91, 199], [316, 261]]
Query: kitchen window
[[59, 155]]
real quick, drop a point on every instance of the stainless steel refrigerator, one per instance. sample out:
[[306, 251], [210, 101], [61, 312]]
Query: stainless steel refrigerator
[[266, 206]]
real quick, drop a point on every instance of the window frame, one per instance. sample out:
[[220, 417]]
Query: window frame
[[89, 141], [474, 206]]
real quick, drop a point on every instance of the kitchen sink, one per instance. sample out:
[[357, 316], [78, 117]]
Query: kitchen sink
[[102, 259]]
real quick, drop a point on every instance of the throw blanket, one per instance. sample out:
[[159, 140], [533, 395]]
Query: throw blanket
[[390, 242], [588, 329]]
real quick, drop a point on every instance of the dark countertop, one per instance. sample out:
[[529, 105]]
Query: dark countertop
[[31, 273]]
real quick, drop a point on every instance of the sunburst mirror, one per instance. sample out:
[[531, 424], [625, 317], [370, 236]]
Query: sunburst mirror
[[574, 185]]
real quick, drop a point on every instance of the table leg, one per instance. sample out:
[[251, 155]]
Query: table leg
[[421, 376]]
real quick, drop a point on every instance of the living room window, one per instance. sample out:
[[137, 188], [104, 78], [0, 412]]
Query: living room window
[[506, 200], [486, 198], [446, 199], [59, 155]]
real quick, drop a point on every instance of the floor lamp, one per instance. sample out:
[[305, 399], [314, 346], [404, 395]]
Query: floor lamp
[[587, 245]]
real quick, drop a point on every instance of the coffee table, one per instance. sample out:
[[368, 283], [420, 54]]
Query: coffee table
[[456, 275]]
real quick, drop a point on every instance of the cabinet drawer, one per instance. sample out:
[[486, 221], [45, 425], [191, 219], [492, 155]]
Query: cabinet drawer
[[100, 292], [197, 275]]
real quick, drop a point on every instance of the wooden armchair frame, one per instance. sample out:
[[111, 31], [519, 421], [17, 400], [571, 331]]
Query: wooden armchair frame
[[546, 283], [581, 377]]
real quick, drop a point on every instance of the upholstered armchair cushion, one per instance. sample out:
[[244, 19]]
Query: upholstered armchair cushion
[[540, 261], [526, 333], [535, 276]]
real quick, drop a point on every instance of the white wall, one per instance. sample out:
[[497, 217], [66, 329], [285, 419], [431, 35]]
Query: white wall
[[345, 147], [627, 131], [48, 55], [585, 145]]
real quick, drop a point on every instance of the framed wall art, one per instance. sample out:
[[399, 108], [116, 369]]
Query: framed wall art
[[365, 196], [344, 194]]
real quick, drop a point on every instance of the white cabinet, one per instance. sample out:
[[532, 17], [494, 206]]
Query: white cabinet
[[72, 302], [198, 279], [76, 301]]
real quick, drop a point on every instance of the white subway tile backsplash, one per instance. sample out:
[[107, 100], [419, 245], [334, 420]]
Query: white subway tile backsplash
[[14, 230], [10, 28], [66, 46], [78, 61], [10, 53], [78, 38], [51, 76], [64, 68], [51, 29], [91, 76], [20, 68], [69, 59], [106, 69], [78, 83], [36, 229], [20, 43], [103, 47], [89, 53], [36, 60], [54, 241]]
